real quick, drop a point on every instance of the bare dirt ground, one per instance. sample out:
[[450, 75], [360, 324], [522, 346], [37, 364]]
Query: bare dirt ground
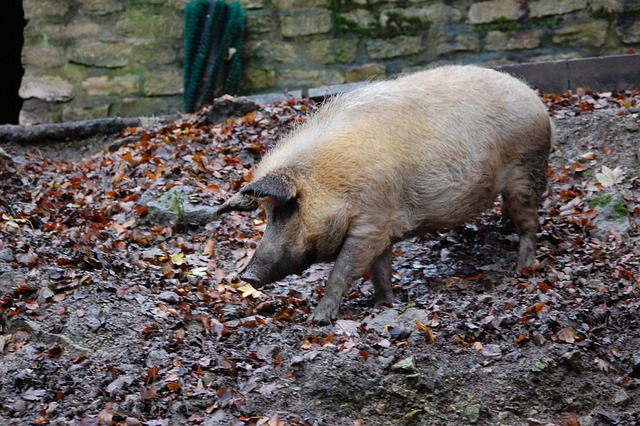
[[108, 316]]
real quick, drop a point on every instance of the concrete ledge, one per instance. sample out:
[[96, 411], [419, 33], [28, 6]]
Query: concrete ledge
[[601, 73]]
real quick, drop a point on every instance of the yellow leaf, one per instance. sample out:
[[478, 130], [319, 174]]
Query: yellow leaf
[[177, 259], [248, 290]]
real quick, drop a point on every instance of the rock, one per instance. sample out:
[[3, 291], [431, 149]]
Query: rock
[[169, 297], [488, 11], [366, 72], [302, 22], [328, 51], [492, 352], [158, 358], [573, 360], [174, 207], [119, 85], [518, 40], [163, 83], [50, 89], [104, 55], [472, 413], [621, 398], [541, 8], [227, 107], [407, 365], [586, 34], [346, 327], [395, 47]]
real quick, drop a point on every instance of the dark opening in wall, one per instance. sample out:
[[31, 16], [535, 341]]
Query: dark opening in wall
[[12, 25]]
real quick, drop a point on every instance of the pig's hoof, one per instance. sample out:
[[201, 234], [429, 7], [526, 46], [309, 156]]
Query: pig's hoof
[[320, 316]]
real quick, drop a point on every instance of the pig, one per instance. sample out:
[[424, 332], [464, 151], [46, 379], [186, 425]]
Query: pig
[[392, 160]]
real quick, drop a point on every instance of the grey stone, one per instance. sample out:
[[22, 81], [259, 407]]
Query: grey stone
[[629, 31], [296, 78], [75, 113], [346, 327], [518, 40], [259, 21], [305, 21], [395, 47], [436, 13], [47, 88], [253, 4], [45, 9], [489, 11], [587, 34], [407, 365], [542, 8], [265, 50], [259, 78], [163, 83], [329, 51], [44, 56], [610, 217], [101, 7], [118, 85], [621, 398], [492, 352], [296, 4], [448, 39], [151, 23], [150, 53], [361, 17], [366, 72], [608, 6], [169, 297], [105, 55], [174, 207]]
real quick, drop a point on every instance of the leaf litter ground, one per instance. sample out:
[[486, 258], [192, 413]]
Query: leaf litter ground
[[109, 318]]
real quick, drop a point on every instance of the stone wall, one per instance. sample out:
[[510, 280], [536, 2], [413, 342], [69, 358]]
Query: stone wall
[[98, 58]]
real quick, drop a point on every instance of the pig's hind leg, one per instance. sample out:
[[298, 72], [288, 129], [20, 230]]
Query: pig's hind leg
[[521, 199]]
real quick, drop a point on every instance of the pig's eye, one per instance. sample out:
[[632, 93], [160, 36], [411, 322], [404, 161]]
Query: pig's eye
[[285, 211]]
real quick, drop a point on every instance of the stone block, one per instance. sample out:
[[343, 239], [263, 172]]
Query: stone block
[[34, 9], [253, 4], [395, 47], [488, 11], [330, 51], [76, 112], [298, 4], [101, 7], [118, 85], [435, 13], [258, 78], [259, 21], [361, 18], [294, 23], [366, 72], [104, 55], [270, 50], [153, 52], [36, 111], [586, 34], [542, 8], [518, 40], [163, 83], [607, 6], [43, 56], [629, 30], [47, 88], [151, 23], [453, 38], [298, 78]]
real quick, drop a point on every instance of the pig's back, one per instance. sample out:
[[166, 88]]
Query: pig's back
[[443, 134]]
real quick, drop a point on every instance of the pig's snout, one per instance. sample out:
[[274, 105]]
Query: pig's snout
[[252, 279]]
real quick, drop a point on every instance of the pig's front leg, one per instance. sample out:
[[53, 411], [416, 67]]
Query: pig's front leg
[[355, 258], [381, 278]]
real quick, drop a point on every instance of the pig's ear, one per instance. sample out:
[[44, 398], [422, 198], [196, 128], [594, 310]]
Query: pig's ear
[[279, 187], [239, 201]]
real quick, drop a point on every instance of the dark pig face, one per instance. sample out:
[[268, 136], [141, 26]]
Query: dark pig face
[[283, 249]]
